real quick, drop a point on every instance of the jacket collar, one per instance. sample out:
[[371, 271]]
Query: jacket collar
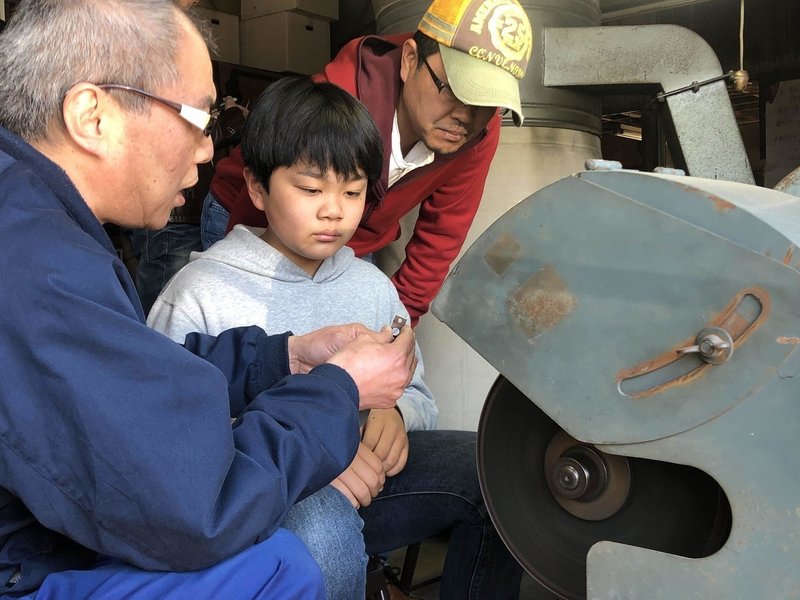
[[57, 181]]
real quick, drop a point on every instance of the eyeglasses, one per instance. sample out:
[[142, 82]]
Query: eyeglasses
[[447, 88], [201, 119], [441, 85]]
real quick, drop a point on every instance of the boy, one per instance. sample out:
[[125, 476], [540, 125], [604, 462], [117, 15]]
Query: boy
[[311, 150]]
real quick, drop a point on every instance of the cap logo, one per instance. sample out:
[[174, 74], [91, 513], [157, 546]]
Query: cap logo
[[506, 28], [496, 32]]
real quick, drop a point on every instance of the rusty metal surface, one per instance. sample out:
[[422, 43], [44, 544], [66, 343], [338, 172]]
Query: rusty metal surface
[[740, 318], [762, 220], [502, 254], [541, 302], [790, 184]]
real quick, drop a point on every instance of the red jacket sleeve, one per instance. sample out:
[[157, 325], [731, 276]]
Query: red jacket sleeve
[[243, 211], [228, 179], [442, 226]]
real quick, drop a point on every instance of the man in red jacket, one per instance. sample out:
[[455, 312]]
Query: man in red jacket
[[435, 98]]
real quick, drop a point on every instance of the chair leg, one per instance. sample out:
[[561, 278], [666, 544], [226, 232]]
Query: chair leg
[[409, 565], [376, 583]]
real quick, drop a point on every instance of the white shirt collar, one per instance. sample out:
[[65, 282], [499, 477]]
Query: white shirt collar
[[400, 165]]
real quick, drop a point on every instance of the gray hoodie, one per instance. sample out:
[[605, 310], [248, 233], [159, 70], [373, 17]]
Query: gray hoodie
[[242, 280]]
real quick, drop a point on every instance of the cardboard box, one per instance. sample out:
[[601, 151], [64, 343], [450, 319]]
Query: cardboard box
[[327, 10], [225, 29], [232, 7], [285, 41]]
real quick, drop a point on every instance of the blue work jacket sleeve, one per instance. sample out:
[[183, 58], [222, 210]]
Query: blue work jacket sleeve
[[251, 360], [121, 439]]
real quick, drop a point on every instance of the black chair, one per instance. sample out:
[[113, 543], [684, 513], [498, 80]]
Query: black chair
[[376, 581]]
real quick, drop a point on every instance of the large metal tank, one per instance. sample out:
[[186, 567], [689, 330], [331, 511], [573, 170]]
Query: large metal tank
[[560, 132]]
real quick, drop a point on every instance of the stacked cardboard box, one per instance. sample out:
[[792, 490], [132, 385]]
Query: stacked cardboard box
[[286, 35], [225, 29]]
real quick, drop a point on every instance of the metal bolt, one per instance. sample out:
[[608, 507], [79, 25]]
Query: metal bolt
[[714, 345], [571, 477]]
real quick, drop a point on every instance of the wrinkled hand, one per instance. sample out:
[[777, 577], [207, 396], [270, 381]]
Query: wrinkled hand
[[314, 348], [380, 367], [385, 434], [363, 479]]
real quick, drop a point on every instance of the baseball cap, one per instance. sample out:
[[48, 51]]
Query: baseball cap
[[485, 47]]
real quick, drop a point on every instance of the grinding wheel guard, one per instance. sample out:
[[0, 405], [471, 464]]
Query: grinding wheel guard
[[595, 297]]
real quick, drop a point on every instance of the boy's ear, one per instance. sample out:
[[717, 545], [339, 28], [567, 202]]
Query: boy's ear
[[255, 189]]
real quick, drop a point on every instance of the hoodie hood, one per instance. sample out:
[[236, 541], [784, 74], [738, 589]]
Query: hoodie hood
[[244, 249]]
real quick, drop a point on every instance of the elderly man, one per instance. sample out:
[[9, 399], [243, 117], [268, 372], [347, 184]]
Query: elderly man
[[121, 474]]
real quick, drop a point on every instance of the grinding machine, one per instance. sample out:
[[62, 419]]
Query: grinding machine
[[628, 340], [641, 440]]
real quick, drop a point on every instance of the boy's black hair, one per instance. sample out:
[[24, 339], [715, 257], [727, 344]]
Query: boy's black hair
[[298, 120]]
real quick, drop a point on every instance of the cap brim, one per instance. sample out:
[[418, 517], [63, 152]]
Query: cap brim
[[479, 83]]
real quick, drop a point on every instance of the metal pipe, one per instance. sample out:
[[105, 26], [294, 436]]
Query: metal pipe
[[666, 55], [695, 87]]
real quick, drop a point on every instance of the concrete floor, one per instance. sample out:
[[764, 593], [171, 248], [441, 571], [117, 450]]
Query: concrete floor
[[429, 567]]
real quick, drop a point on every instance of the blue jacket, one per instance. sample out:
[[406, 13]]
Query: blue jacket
[[114, 439]]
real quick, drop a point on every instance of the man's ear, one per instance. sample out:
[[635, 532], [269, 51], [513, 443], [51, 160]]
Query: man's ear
[[408, 59], [88, 116], [255, 189]]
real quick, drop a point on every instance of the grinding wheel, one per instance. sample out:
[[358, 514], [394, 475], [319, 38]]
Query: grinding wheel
[[552, 497]]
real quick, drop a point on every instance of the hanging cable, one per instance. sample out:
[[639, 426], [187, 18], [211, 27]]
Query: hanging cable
[[741, 37], [741, 77]]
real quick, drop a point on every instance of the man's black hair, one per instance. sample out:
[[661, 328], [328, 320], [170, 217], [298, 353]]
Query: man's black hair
[[426, 46], [297, 120]]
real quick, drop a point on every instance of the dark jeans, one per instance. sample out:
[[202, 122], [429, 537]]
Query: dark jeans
[[439, 490], [213, 222], [162, 253]]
